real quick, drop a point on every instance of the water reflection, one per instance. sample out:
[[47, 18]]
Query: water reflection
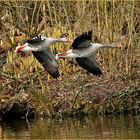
[[84, 128]]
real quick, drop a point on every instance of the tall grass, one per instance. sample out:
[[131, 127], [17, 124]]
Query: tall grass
[[109, 20]]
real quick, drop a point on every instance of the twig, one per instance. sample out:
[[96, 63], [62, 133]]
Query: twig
[[81, 89], [27, 69], [10, 77]]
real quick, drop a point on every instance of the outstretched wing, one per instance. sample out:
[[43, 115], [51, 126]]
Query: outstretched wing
[[83, 40], [90, 64], [35, 40], [48, 61]]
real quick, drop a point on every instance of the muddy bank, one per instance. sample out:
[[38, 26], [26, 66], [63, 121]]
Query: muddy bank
[[74, 94], [28, 91]]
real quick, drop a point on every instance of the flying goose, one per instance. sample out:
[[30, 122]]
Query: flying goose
[[83, 50], [40, 48]]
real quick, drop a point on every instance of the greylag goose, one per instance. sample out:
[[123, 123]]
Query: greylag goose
[[40, 48], [83, 50]]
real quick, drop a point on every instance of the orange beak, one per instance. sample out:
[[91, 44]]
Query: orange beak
[[119, 45], [61, 55], [19, 49]]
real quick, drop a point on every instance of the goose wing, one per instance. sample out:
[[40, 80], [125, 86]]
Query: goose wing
[[90, 64], [35, 40], [83, 40], [48, 61]]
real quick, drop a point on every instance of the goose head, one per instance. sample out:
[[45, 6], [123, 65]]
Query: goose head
[[24, 48]]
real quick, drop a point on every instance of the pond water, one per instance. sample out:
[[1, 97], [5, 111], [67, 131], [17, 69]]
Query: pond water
[[117, 127]]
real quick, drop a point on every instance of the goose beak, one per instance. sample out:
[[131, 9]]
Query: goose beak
[[60, 56], [19, 49], [119, 45]]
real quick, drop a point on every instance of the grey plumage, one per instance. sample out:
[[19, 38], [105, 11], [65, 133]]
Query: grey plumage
[[88, 63], [44, 56], [39, 46], [82, 41], [36, 40], [84, 50], [48, 61]]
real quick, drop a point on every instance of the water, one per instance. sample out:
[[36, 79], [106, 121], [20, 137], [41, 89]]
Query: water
[[117, 127]]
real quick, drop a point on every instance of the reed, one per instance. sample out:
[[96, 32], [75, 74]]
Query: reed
[[110, 20]]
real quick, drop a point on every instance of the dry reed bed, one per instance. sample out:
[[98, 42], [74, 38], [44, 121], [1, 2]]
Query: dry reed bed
[[110, 20]]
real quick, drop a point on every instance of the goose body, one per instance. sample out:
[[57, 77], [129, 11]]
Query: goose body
[[83, 50], [38, 43], [40, 48]]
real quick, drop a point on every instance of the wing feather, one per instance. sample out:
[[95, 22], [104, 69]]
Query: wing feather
[[35, 40], [83, 40], [90, 64], [48, 61]]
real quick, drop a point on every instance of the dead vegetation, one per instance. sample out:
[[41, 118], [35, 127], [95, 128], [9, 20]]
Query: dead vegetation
[[77, 91]]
